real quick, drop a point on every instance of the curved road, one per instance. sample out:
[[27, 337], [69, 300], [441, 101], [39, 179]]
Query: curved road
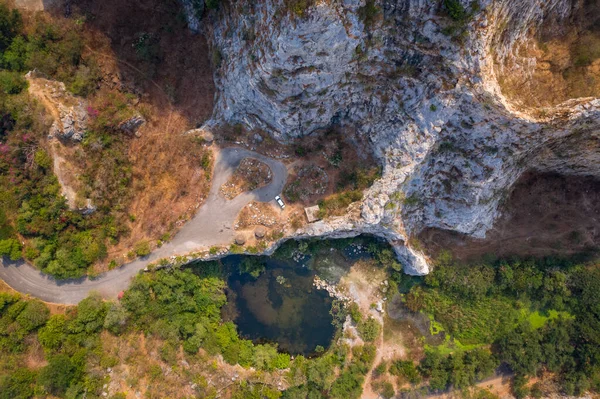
[[212, 225]]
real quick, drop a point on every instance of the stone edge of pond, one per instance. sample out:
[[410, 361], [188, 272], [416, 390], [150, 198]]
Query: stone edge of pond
[[210, 254]]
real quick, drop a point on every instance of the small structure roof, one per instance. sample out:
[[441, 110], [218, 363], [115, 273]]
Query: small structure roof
[[312, 213]]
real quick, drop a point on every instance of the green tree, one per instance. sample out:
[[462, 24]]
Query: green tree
[[34, 315], [12, 82], [521, 349], [213, 4], [57, 375], [264, 357], [369, 329], [116, 318], [11, 25], [91, 313], [11, 248], [53, 334], [15, 55], [407, 370], [19, 384]]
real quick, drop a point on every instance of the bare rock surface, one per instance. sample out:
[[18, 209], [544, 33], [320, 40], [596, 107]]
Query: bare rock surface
[[451, 144]]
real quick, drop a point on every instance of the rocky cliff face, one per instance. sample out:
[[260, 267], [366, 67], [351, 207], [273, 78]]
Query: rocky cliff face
[[422, 86]]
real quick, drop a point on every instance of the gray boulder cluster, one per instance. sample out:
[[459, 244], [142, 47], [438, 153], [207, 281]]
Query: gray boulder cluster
[[72, 123]]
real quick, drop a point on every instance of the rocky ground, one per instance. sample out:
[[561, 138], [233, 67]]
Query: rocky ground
[[422, 84], [249, 175], [257, 214], [306, 183]]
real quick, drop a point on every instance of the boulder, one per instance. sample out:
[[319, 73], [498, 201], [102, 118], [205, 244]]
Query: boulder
[[240, 239], [260, 232], [204, 134], [133, 124]]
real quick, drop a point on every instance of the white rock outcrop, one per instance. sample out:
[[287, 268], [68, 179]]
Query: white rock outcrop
[[451, 144]]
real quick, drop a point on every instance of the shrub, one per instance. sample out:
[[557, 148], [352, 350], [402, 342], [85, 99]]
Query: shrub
[[336, 205], [85, 81], [252, 265], [147, 47], [34, 315], [354, 312], [116, 318], [142, 248], [11, 24], [455, 10], [407, 370], [12, 82], [385, 389], [42, 159], [368, 13], [369, 329], [11, 248], [57, 375], [213, 4], [53, 334], [299, 7], [18, 384]]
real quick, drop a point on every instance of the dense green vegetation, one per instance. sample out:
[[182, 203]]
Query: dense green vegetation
[[180, 307], [531, 315]]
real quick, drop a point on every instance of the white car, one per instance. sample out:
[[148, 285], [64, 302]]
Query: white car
[[280, 202]]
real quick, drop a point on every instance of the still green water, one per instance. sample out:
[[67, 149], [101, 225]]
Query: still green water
[[277, 301]]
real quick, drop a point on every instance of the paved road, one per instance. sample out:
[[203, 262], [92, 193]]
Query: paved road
[[212, 225]]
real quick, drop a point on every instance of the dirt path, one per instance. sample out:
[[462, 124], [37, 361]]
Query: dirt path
[[212, 225], [364, 285]]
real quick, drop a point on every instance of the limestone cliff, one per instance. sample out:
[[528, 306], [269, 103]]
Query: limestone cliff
[[422, 84]]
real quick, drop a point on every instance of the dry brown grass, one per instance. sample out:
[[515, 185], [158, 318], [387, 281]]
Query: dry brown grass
[[545, 215], [174, 93], [257, 214], [567, 63], [155, 369]]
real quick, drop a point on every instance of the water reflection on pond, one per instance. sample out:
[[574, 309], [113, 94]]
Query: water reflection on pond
[[272, 299]]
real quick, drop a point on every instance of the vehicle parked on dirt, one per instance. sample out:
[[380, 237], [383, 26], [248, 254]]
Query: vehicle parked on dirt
[[279, 202]]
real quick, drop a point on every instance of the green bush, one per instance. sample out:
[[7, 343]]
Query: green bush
[[336, 205], [369, 329], [54, 333], [11, 248], [213, 4], [142, 248], [11, 25], [384, 388], [12, 82], [407, 370], [455, 10], [299, 7], [253, 265], [354, 312], [42, 159], [85, 81], [368, 13], [19, 384], [57, 375]]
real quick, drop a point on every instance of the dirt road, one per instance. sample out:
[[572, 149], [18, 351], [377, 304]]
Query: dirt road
[[212, 225]]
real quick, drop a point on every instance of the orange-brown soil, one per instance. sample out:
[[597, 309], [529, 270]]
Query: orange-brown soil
[[567, 62], [545, 215]]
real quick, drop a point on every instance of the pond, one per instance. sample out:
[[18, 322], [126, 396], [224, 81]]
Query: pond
[[273, 299]]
